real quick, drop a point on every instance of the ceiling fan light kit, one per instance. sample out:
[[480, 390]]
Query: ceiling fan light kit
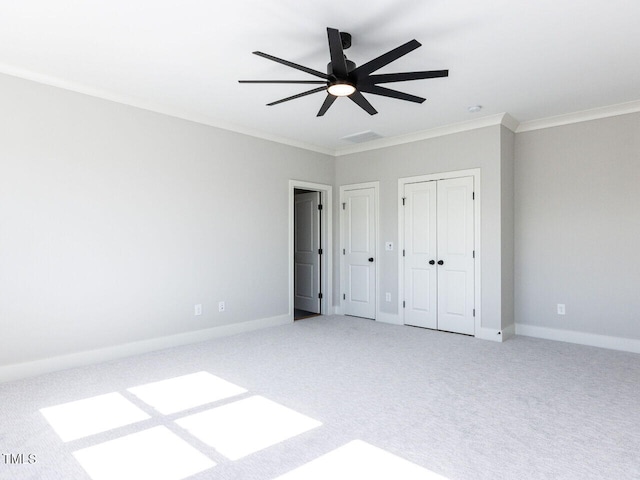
[[341, 89], [345, 79]]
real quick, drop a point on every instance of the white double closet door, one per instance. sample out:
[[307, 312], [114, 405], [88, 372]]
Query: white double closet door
[[439, 255]]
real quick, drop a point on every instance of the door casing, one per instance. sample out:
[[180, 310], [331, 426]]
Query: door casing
[[326, 268], [475, 173], [376, 197], [306, 245]]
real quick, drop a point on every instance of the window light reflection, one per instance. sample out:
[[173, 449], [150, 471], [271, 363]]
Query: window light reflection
[[185, 392], [89, 416], [156, 454], [246, 426], [359, 459]]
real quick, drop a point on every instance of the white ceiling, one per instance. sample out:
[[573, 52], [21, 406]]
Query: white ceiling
[[532, 59]]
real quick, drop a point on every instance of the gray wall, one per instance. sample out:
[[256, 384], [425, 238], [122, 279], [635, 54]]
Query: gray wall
[[507, 166], [577, 226], [115, 221], [481, 148]]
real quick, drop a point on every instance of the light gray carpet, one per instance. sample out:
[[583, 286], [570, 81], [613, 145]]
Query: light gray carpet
[[460, 407]]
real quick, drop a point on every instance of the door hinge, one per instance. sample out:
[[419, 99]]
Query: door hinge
[[319, 251], [473, 196], [319, 206], [344, 206], [403, 304], [403, 252], [403, 200], [344, 251], [474, 254], [320, 296], [344, 296], [474, 312]]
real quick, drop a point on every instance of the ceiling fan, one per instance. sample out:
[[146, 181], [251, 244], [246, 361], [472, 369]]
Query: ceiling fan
[[344, 79]]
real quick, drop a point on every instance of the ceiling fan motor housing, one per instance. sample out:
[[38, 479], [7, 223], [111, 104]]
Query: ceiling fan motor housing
[[350, 66]]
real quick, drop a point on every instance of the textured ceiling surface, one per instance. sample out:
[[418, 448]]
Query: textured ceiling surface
[[530, 59]]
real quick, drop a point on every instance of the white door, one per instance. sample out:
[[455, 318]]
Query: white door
[[455, 255], [306, 246], [420, 269], [439, 255], [359, 253]]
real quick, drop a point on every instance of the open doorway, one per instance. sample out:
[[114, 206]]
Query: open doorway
[[309, 250], [307, 253]]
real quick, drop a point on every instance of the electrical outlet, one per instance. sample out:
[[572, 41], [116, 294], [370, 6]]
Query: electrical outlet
[[221, 306], [387, 296], [197, 309], [561, 309]]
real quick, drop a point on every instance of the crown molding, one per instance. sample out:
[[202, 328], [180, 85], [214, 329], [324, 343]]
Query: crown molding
[[498, 119], [582, 116], [510, 122], [487, 121], [153, 107]]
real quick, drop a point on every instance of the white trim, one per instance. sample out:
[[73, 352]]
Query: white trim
[[39, 367], [582, 338], [155, 107], [326, 241], [582, 116], [509, 332], [488, 121], [376, 196], [510, 122], [475, 173], [490, 334]]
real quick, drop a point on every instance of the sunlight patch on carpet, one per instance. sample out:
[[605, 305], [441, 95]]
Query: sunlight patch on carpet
[[358, 459], [90, 416], [246, 426], [156, 454], [185, 392]]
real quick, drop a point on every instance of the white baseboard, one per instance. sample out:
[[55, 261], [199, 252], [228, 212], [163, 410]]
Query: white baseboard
[[392, 318], [63, 362], [490, 334], [508, 332], [591, 339]]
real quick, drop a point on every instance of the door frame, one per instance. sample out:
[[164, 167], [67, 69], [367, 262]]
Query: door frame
[[475, 173], [326, 236], [376, 218]]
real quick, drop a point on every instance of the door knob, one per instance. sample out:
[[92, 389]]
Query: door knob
[[432, 262], [440, 262], [371, 259]]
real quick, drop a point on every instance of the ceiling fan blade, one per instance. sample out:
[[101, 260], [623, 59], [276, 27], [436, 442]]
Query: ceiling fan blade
[[293, 65], [405, 76], [317, 82], [309, 92], [338, 63], [387, 92], [362, 102], [327, 103], [385, 59]]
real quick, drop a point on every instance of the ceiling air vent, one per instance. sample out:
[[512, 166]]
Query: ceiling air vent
[[362, 137]]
